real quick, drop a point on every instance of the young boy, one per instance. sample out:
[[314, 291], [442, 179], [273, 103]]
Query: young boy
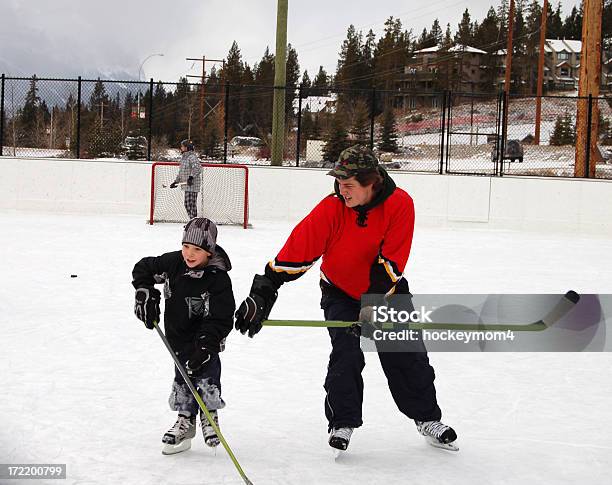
[[198, 316]]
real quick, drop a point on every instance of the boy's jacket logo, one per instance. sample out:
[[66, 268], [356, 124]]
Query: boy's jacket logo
[[198, 306]]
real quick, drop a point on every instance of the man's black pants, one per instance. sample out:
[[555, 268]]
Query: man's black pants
[[409, 375]]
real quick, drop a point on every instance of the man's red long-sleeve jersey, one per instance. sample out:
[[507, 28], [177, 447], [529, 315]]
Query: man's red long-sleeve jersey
[[357, 259]]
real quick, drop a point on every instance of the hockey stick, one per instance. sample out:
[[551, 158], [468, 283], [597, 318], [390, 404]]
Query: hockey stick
[[180, 184], [198, 398], [565, 304]]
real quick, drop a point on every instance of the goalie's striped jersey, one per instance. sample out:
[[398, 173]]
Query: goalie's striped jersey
[[357, 259]]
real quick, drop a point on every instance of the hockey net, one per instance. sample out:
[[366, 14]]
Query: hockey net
[[223, 196]]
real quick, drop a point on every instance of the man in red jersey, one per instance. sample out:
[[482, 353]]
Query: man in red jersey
[[363, 232]]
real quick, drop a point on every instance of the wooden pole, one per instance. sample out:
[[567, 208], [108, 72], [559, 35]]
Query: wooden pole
[[540, 84], [588, 85], [280, 81]]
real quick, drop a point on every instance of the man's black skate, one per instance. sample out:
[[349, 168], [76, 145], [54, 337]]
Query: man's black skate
[[178, 438], [209, 433], [438, 434], [339, 438]]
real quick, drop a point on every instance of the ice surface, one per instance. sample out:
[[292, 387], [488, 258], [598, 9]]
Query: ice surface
[[84, 383]]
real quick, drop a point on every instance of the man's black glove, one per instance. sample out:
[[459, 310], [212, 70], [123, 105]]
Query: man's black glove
[[199, 360], [366, 326], [190, 181], [257, 306], [173, 185], [146, 306]]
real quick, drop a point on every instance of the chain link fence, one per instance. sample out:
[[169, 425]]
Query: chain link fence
[[446, 132]]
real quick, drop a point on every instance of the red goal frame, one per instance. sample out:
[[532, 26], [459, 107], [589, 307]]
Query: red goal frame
[[211, 165]]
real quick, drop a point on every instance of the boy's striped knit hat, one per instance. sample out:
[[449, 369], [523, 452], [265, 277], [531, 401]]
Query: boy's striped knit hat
[[201, 232]]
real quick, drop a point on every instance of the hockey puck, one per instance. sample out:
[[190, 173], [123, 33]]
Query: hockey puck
[[73, 276]]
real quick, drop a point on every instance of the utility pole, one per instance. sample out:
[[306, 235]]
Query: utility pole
[[587, 116], [202, 87], [101, 105], [540, 84], [280, 80]]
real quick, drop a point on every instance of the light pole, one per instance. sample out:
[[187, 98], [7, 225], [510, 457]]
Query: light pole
[[139, 72]]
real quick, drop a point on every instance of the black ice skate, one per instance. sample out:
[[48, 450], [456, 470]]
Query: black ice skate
[[438, 434], [210, 435], [178, 438], [339, 438]]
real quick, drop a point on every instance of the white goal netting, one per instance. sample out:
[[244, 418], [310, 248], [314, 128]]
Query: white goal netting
[[223, 196]]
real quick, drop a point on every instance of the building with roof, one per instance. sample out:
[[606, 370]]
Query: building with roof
[[435, 69]]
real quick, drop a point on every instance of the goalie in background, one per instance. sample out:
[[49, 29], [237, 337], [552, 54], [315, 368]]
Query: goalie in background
[[189, 177]]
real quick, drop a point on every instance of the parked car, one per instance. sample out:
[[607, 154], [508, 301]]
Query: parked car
[[512, 151], [135, 147], [244, 145]]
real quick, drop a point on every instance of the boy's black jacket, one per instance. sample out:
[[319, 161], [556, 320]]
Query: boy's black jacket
[[199, 303]]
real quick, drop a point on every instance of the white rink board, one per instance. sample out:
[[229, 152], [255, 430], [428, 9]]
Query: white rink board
[[287, 194]]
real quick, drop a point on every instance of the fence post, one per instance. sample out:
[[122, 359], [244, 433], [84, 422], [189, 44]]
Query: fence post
[[588, 140], [442, 131], [78, 133], [372, 109], [150, 119], [299, 127], [226, 116], [497, 132], [449, 125], [502, 151], [2, 116]]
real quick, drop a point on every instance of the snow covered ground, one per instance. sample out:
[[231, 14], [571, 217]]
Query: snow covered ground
[[84, 383]]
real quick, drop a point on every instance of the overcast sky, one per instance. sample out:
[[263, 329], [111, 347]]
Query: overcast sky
[[57, 38]]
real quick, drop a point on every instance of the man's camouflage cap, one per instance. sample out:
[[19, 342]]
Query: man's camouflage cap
[[354, 160]]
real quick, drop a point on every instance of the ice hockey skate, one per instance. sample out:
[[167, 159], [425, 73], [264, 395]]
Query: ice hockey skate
[[339, 439], [178, 438], [438, 434], [210, 435]]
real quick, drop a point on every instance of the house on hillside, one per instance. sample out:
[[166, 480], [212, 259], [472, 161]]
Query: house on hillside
[[561, 65], [435, 69]]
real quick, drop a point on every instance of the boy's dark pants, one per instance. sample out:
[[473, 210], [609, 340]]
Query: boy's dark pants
[[208, 385]]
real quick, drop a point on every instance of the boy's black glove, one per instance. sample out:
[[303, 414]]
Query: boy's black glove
[[146, 306], [190, 180], [173, 185], [257, 306], [199, 360]]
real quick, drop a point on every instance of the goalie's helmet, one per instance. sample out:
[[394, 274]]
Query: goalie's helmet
[[188, 144]]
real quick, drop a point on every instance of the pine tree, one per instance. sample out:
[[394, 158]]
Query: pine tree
[[554, 23], [532, 43], [232, 73], [306, 83], [360, 126], [321, 81], [336, 139], [486, 37], [436, 32], [292, 80], [388, 135], [465, 33], [564, 132], [572, 26], [390, 54], [30, 112], [352, 72]]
